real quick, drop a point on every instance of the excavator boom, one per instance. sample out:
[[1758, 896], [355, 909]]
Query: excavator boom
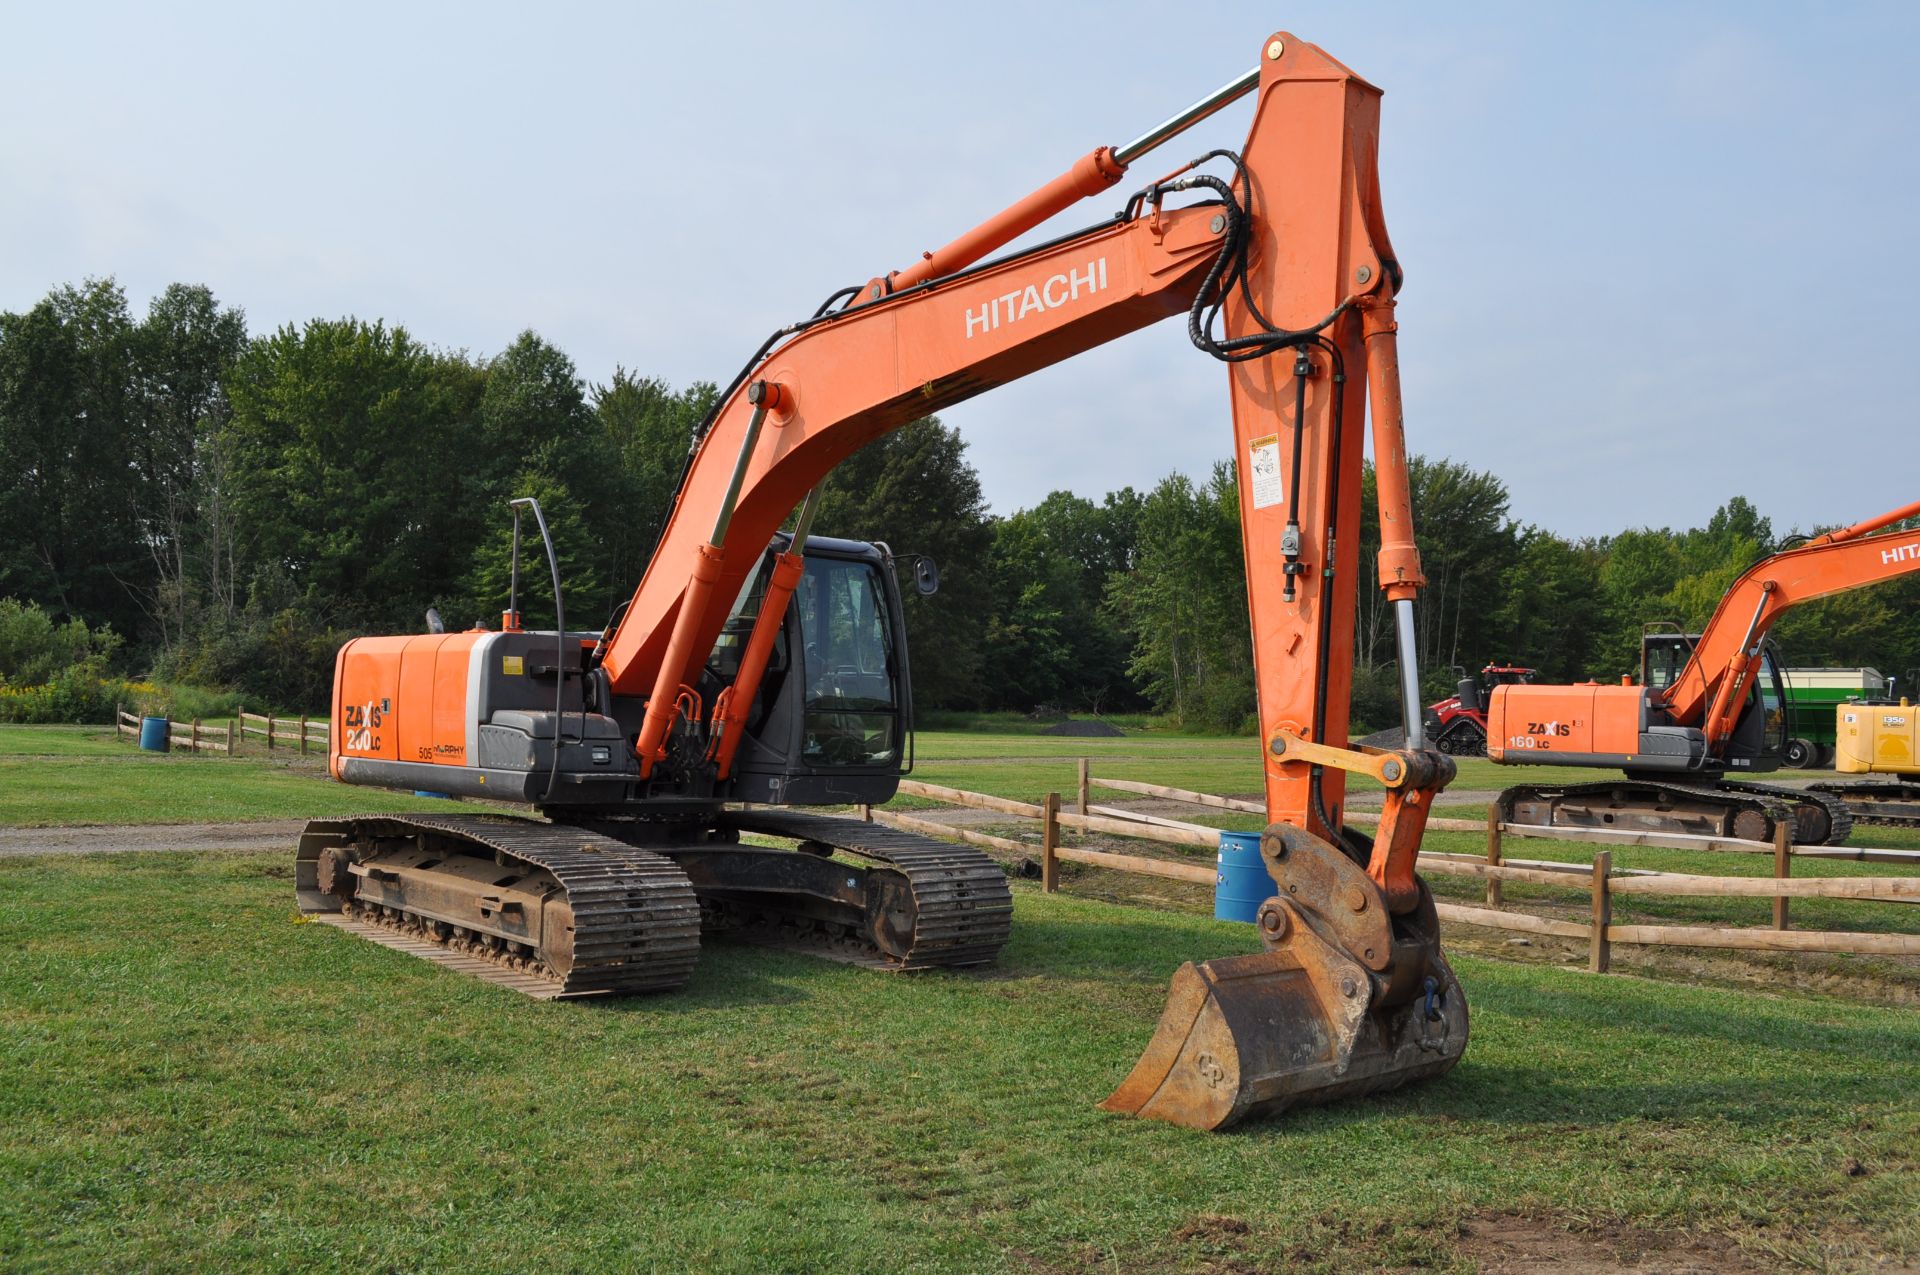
[[1292, 250]]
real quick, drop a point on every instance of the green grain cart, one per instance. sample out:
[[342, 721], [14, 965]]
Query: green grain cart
[[1812, 695]]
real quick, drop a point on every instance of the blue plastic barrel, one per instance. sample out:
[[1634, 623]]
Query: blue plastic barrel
[[153, 734], [422, 792], [1244, 882]]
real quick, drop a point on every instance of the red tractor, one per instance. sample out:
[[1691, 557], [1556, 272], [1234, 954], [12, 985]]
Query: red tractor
[[1458, 724]]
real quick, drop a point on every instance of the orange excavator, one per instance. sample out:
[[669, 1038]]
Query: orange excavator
[[1706, 706], [756, 671]]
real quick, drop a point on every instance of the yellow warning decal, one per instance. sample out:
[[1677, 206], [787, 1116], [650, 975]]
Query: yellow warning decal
[[511, 665]]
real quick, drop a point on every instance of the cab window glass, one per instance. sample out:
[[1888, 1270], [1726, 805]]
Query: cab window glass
[[851, 714]]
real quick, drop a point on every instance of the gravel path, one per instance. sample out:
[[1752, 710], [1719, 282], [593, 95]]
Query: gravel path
[[274, 834]]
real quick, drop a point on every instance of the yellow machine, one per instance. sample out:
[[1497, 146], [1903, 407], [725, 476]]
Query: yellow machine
[[1878, 739]]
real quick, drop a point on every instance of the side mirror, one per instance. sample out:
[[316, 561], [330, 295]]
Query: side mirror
[[926, 576], [434, 623]]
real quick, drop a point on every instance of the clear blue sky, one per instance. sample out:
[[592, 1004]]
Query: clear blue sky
[[1657, 254]]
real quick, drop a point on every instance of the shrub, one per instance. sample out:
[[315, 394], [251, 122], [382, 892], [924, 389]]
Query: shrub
[[71, 695], [184, 703], [281, 658], [33, 648]]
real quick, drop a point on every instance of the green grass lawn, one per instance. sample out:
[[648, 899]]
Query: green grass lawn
[[61, 741], [189, 1079], [60, 775]]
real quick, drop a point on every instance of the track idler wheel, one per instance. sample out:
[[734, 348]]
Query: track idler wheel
[[1346, 1000], [332, 871]]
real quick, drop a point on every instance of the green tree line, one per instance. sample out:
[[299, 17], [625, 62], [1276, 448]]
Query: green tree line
[[223, 509]]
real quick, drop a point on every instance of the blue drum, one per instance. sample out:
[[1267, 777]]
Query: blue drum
[[1244, 883], [153, 734]]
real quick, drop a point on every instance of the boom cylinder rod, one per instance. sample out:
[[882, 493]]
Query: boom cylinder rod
[[1875, 524], [1093, 173], [1172, 127], [804, 523], [724, 517]]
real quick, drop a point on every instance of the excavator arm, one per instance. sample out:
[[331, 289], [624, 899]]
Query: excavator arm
[[1282, 265]]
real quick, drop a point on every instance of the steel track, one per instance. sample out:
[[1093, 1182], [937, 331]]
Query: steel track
[[963, 908], [636, 922], [1774, 801], [1881, 805]]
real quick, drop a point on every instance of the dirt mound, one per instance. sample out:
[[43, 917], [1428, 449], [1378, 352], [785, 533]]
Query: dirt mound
[[1085, 730], [1394, 737]]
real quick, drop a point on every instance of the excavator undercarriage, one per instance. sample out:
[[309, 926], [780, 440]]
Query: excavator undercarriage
[[1879, 803], [1640, 803], [564, 910]]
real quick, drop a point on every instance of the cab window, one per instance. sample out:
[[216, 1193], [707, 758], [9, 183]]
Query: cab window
[[852, 717]]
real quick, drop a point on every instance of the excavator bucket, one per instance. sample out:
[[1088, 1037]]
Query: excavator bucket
[[1313, 1018]]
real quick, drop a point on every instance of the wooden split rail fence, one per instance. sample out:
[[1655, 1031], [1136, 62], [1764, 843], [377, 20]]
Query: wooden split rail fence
[[1600, 880], [290, 732], [228, 737], [193, 736]]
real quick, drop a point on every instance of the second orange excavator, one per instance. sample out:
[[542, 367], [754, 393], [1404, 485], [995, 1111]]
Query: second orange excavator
[[1706, 708]]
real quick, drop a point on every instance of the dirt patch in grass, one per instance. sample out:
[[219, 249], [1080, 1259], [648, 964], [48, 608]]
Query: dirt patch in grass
[[1085, 730], [1211, 1228], [1512, 1244]]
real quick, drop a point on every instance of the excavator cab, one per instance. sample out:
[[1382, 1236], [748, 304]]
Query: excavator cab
[[1759, 739], [1664, 651], [832, 722]]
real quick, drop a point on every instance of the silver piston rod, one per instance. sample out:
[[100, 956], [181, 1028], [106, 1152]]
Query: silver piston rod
[[1410, 707], [1170, 128]]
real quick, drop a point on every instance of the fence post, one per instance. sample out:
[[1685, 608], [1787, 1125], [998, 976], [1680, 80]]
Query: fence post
[[1782, 868], [303, 734], [865, 811], [269, 732], [193, 740], [233, 733], [1493, 854], [1049, 842], [1083, 785], [1599, 951]]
